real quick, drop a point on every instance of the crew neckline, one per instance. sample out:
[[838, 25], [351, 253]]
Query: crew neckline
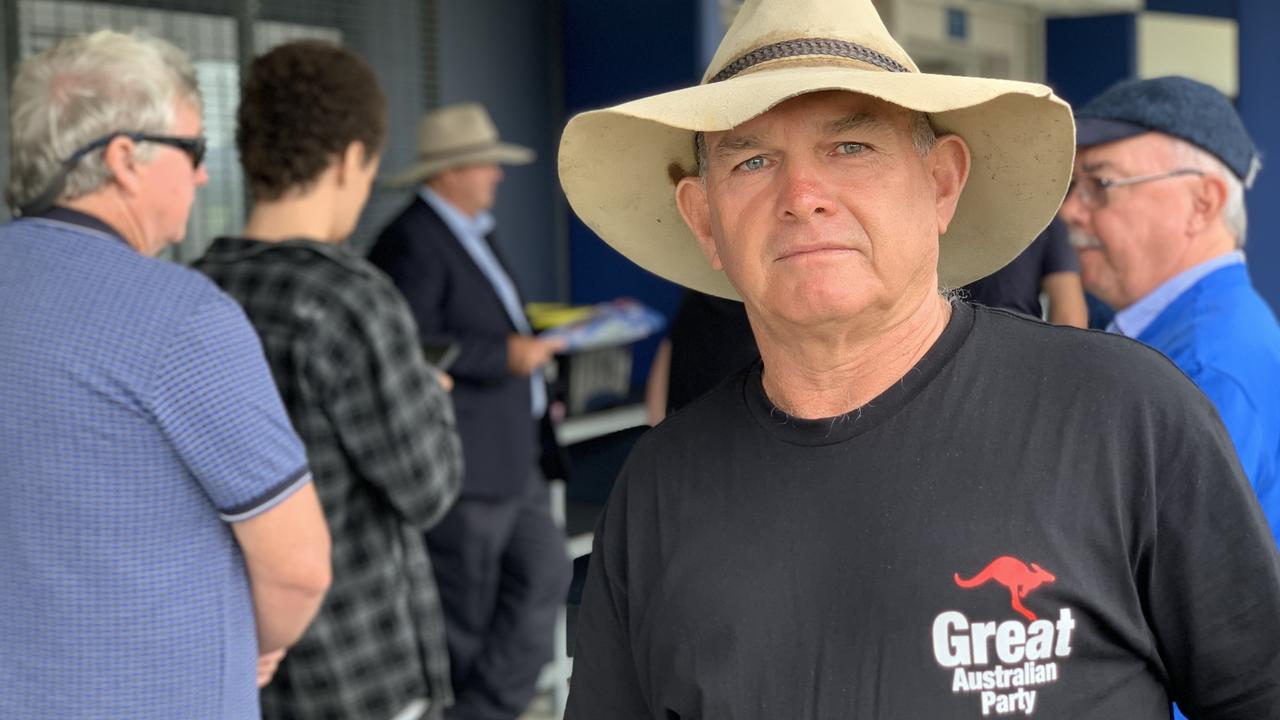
[[832, 430]]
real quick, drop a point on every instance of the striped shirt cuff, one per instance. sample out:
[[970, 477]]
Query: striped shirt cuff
[[270, 499]]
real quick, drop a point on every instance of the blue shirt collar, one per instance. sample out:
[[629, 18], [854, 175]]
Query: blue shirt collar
[[459, 222], [67, 216], [1136, 318]]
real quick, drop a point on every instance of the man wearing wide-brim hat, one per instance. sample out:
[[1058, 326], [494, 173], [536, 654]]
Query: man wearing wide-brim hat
[[911, 507], [499, 559]]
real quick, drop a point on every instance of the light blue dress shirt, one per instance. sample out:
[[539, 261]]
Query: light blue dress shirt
[[471, 232]]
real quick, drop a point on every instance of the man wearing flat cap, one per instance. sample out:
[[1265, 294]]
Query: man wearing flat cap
[[1158, 218], [911, 507], [499, 559]]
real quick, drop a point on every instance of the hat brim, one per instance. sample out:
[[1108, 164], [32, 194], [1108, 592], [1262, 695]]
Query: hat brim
[[615, 164], [498, 154]]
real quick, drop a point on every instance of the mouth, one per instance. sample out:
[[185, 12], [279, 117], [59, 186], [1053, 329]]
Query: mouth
[[815, 252]]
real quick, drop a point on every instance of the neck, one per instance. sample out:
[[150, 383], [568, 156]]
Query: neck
[[1215, 242], [1211, 244], [308, 215], [110, 209], [819, 375]]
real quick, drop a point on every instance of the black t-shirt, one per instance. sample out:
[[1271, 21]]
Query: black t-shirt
[[710, 340], [1034, 521], [1016, 286]]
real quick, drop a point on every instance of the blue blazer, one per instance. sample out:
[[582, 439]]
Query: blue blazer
[[1223, 335], [453, 301]]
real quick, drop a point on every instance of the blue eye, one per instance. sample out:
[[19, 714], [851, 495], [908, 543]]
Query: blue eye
[[754, 163], [850, 148]]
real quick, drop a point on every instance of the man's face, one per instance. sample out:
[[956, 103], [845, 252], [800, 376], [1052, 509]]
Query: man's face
[[474, 187], [822, 209], [168, 185], [1130, 239]]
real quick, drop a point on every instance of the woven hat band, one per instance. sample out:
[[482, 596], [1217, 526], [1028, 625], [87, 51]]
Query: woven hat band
[[808, 47]]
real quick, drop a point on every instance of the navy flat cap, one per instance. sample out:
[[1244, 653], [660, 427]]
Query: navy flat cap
[[1174, 105]]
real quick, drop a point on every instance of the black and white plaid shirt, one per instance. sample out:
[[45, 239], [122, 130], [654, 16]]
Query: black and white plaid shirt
[[380, 437]]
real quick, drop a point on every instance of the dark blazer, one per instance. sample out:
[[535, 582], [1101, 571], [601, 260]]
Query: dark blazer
[[453, 301]]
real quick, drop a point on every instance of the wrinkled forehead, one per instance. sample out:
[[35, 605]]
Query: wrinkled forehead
[[1151, 149], [828, 112]]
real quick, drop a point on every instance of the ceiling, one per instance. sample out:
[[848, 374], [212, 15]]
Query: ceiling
[[1075, 7]]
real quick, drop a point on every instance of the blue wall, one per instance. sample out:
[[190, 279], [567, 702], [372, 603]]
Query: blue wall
[[615, 52], [1086, 55], [1259, 105]]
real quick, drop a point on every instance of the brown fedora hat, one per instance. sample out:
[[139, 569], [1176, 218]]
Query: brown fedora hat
[[457, 135], [617, 165]]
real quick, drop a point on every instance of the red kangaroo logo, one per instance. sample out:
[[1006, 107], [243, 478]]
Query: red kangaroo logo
[[1013, 574]]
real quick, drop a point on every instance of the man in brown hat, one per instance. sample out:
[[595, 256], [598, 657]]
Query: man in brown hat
[[499, 559], [912, 507]]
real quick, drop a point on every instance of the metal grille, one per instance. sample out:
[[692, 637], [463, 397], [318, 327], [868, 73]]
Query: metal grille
[[7, 26], [430, 56], [210, 30]]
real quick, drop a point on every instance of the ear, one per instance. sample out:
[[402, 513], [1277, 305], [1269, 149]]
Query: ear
[[1207, 202], [121, 159], [691, 199], [443, 179], [351, 162], [948, 164]]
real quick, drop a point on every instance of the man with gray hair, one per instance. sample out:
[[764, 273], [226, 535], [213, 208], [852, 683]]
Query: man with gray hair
[[156, 507], [1158, 218]]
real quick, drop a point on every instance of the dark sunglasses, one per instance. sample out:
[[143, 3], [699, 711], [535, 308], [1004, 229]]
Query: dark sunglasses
[[194, 147]]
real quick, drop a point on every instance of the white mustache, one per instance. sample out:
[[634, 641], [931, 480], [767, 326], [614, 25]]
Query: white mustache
[[1081, 240]]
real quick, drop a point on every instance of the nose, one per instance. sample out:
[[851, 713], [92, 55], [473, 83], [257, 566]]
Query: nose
[[202, 175], [1073, 211], [803, 191]]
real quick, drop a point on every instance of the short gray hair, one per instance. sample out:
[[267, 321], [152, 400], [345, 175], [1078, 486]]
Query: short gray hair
[[1234, 213], [922, 136], [81, 89]]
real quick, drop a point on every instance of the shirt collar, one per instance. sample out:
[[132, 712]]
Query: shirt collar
[[67, 216], [479, 226], [1136, 318]]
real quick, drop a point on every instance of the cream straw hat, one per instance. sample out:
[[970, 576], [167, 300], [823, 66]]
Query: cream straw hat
[[619, 166], [457, 135]]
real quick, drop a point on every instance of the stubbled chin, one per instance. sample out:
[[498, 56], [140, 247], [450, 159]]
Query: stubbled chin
[[814, 302]]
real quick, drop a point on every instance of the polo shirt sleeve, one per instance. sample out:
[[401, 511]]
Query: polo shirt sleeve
[[214, 399]]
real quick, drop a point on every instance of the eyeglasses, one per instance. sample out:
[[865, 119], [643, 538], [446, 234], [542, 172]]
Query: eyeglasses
[[193, 147], [1092, 190]]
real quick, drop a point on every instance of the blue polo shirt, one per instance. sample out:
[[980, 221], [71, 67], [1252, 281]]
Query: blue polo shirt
[[138, 419], [1225, 337]]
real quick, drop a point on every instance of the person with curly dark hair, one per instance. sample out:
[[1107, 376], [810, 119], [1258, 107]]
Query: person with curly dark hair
[[375, 417]]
